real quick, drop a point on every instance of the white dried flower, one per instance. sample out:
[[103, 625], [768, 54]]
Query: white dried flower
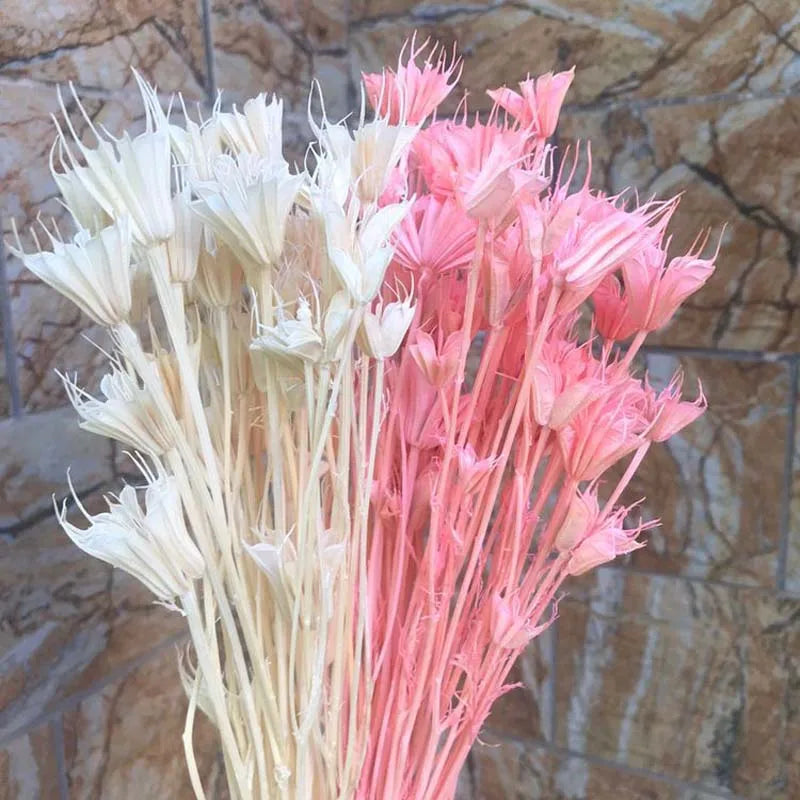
[[152, 545], [183, 247], [219, 276], [128, 414], [385, 329], [258, 130], [291, 339], [94, 272], [361, 266], [246, 206], [377, 149], [276, 556], [123, 176]]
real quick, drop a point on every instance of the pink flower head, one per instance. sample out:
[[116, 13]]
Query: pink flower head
[[410, 95], [472, 471], [435, 236], [610, 428], [438, 367], [582, 514], [564, 382], [612, 316], [599, 239], [657, 290], [510, 623], [484, 166], [668, 413], [607, 541], [538, 103]]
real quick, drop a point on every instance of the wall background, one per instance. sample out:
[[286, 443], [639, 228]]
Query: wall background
[[675, 675]]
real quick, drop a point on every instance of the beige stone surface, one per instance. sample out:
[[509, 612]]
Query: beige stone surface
[[28, 766], [255, 52], [520, 769], [95, 44], [791, 566], [692, 680], [621, 50], [706, 151], [125, 741], [36, 453], [718, 486]]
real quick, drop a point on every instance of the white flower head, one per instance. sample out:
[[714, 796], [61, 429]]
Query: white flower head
[[257, 131], [196, 146], [152, 544], [291, 339], [94, 272], [128, 414], [361, 267], [277, 557], [183, 247], [122, 176], [219, 276], [377, 150], [386, 327], [247, 205]]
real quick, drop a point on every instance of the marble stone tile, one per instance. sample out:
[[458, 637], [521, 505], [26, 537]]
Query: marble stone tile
[[738, 166], [519, 769], [37, 451], [28, 766], [254, 51], [691, 680], [66, 619], [125, 741], [718, 486], [96, 44], [621, 49]]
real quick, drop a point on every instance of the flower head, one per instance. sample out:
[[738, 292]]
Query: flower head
[[152, 544], [94, 272], [411, 94], [122, 176]]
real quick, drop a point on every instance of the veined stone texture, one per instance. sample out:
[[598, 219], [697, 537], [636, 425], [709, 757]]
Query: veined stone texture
[[672, 676]]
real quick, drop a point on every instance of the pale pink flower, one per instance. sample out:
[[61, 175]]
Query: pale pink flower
[[654, 291], [538, 102], [410, 94], [607, 541], [668, 413]]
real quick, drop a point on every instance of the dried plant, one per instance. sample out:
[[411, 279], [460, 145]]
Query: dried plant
[[371, 440]]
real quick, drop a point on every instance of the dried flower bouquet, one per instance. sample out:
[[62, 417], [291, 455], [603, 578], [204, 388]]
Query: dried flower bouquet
[[372, 443]]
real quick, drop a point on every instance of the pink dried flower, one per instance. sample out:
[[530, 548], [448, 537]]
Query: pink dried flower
[[410, 95], [538, 103]]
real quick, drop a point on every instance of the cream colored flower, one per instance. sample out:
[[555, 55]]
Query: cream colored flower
[[246, 206], [384, 329], [124, 176], [291, 339], [257, 131], [128, 414], [361, 266], [183, 247], [219, 277], [94, 272], [153, 544], [377, 149]]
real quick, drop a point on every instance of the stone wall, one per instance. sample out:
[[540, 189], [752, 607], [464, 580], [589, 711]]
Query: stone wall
[[675, 675]]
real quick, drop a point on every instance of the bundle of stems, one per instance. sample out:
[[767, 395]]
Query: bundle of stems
[[370, 438]]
